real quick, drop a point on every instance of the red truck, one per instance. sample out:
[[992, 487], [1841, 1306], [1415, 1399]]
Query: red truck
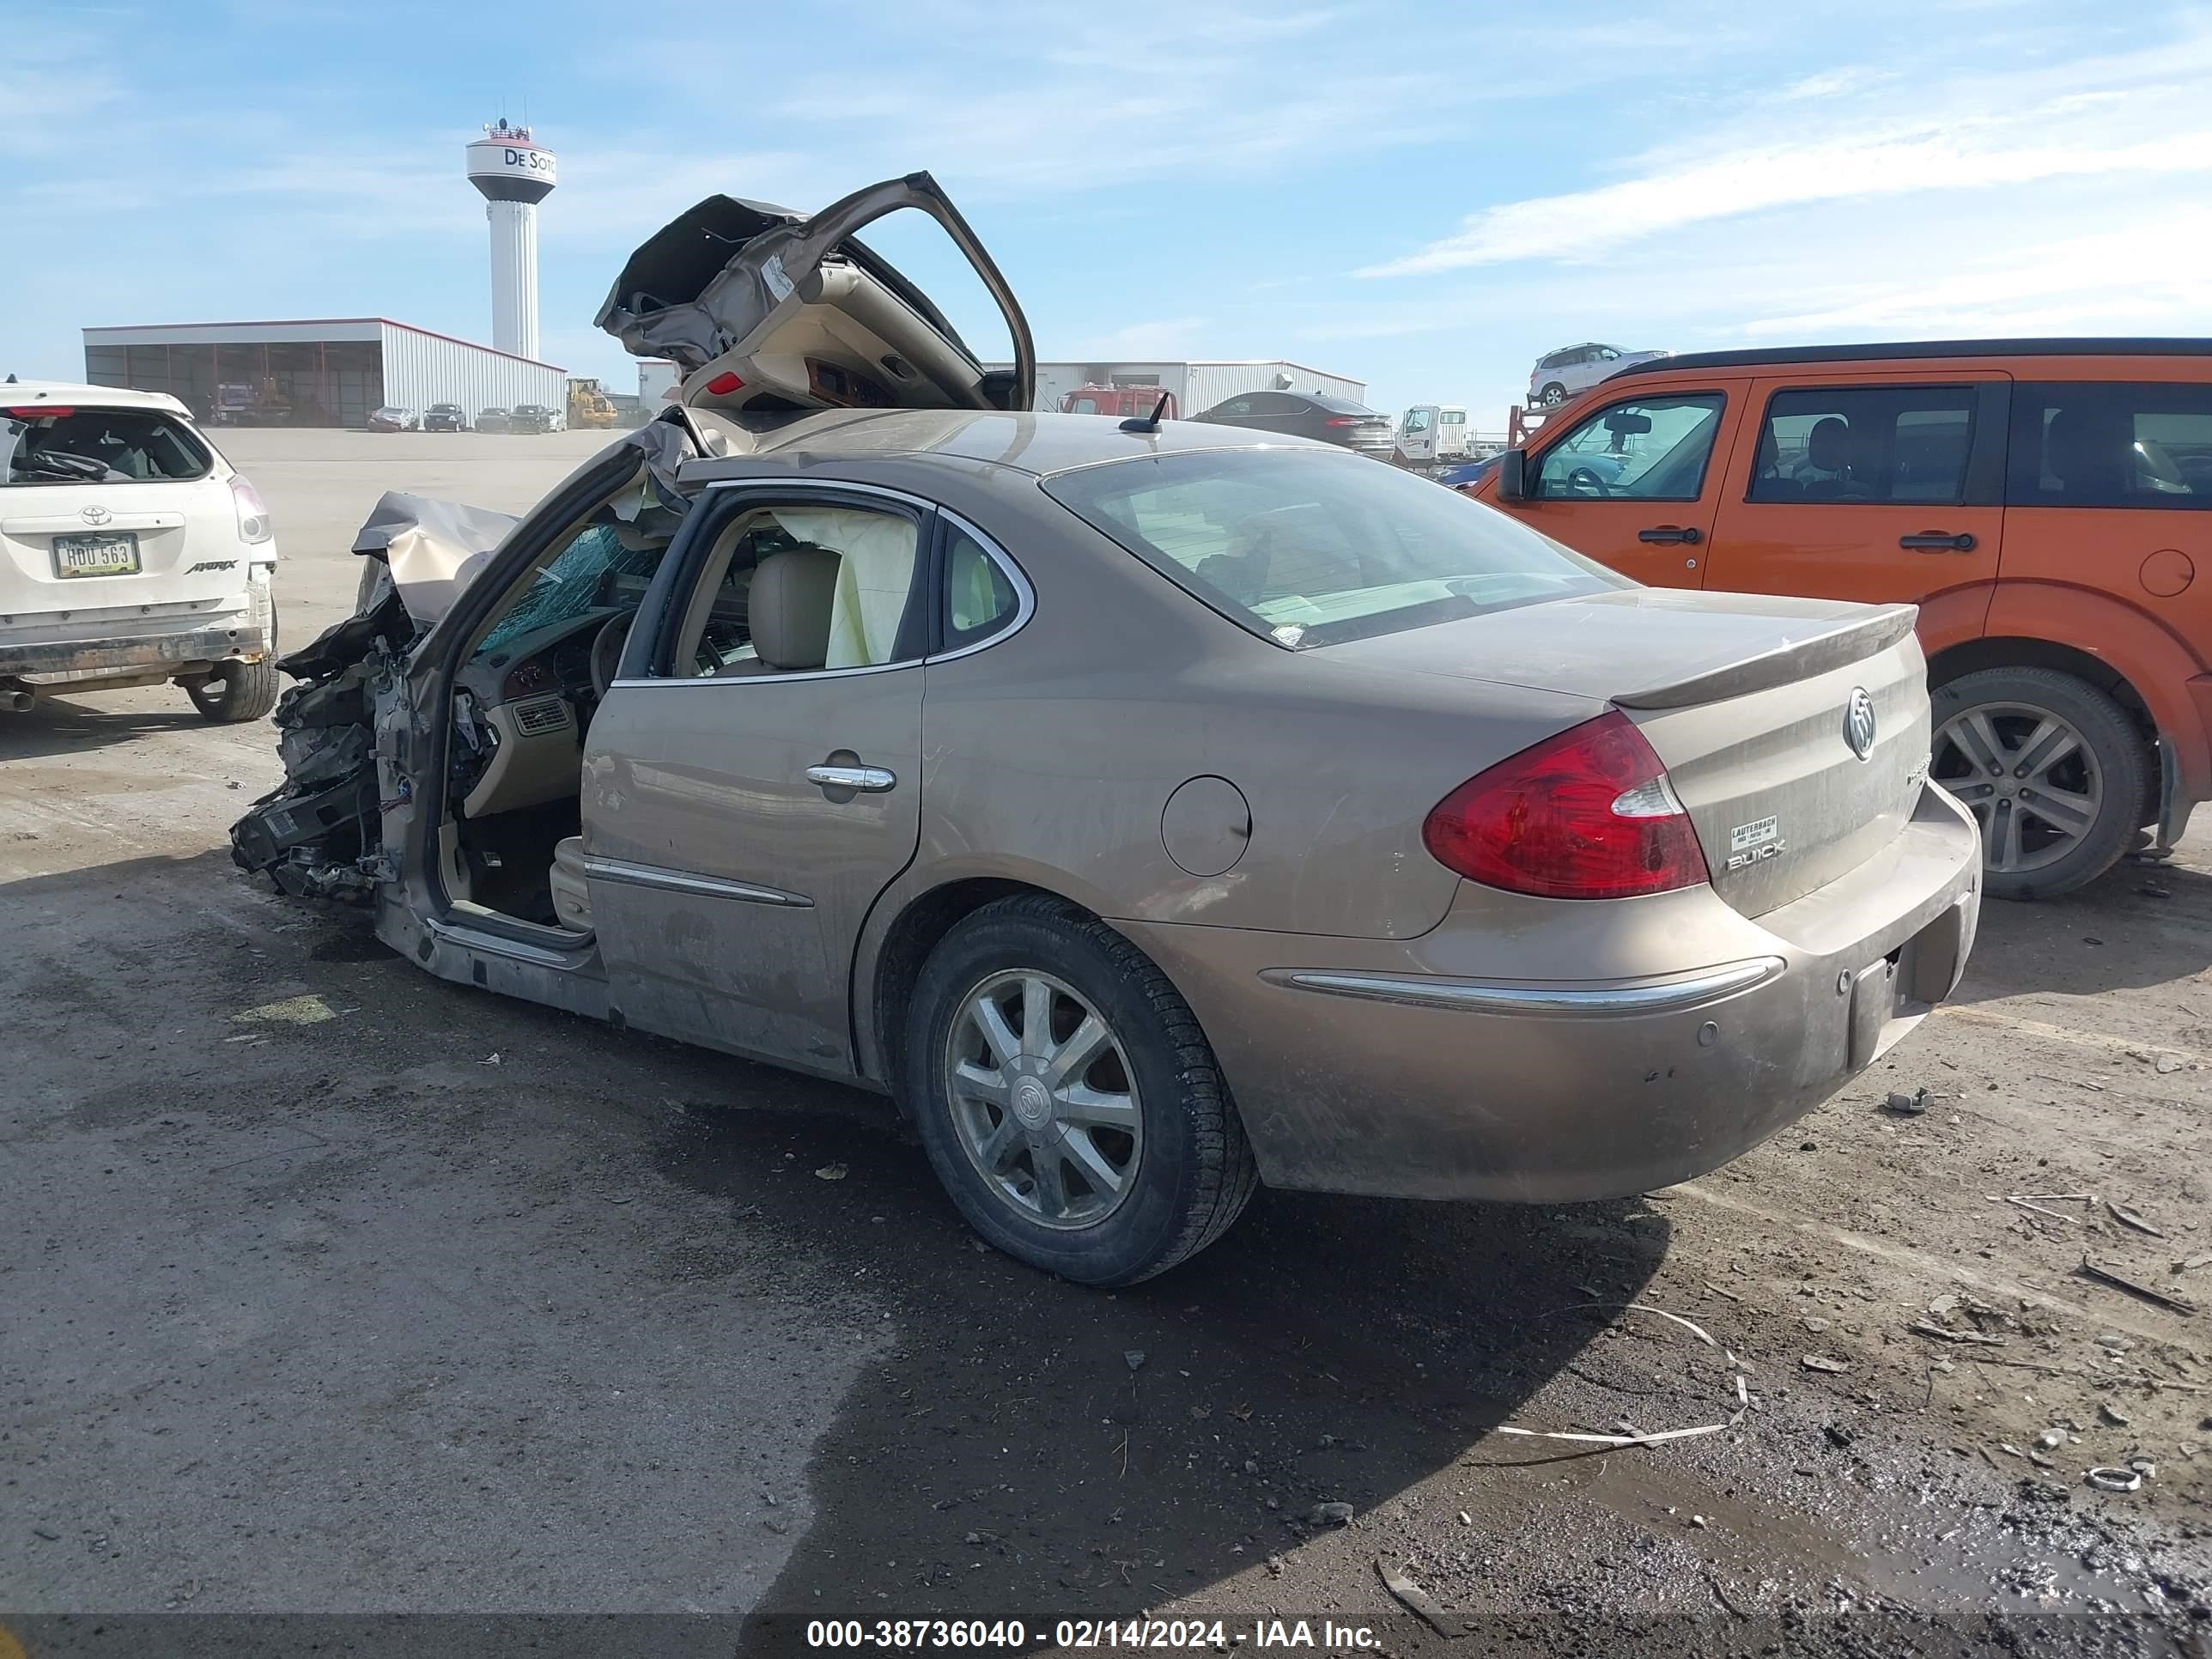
[[1119, 401]]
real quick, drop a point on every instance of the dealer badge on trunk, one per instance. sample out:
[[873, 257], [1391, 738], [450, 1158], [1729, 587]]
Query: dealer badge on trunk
[[1858, 722]]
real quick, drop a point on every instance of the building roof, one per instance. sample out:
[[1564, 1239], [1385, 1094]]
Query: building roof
[[281, 331], [1195, 362]]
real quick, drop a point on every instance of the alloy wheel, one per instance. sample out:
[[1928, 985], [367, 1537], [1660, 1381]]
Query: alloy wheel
[[1043, 1099], [2026, 775]]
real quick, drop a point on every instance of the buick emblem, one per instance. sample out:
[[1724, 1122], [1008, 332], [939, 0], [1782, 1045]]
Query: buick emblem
[[96, 515], [1858, 722]]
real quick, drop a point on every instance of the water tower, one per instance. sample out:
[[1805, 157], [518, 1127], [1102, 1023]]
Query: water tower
[[515, 175]]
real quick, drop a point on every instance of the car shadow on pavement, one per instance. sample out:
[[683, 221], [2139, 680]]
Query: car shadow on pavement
[[2137, 925], [1032, 1446], [70, 726]]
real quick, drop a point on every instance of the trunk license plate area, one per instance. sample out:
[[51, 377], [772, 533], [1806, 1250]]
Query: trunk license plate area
[[96, 556]]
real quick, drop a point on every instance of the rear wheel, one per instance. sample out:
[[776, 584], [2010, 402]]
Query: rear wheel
[[2052, 767], [1552, 396], [1067, 1099], [237, 692]]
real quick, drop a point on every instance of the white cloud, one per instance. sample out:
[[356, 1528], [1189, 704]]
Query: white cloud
[[1990, 130]]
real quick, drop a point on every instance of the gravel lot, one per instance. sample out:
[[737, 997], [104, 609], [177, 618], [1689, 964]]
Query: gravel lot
[[333, 1289]]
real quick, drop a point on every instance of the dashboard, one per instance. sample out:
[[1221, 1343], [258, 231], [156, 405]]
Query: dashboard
[[520, 712]]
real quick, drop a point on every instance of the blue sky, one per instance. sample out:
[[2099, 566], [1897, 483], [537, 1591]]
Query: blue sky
[[1423, 197]]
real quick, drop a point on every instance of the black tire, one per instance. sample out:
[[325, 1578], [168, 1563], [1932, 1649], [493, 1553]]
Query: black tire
[[1196, 1171], [236, 692], [2115, 759], [1552, 396]]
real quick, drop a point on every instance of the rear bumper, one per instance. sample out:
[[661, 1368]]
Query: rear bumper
[[242, 638], [1358, 1066]]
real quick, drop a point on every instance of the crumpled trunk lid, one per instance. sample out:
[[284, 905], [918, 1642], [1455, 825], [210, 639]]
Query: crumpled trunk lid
[[726, 279]]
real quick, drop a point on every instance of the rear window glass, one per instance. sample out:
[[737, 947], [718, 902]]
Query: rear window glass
[[1905, 443], [2110, 444], [1342, 406], [101, 445], [1309, 549]]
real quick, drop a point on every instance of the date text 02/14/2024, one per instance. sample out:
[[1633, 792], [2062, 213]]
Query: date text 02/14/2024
[[1009, 1635]]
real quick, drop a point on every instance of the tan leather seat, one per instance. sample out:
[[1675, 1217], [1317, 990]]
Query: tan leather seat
[[793, 595]]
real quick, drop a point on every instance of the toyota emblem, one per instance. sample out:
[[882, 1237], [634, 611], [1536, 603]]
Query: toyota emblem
[[96, 515], [1858, 722]]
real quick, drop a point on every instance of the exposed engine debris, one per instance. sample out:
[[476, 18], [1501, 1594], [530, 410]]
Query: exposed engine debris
[[315, 834]]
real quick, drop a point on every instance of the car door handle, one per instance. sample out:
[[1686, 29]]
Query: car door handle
[[868, 780], [1671, 532], [1937, 541]]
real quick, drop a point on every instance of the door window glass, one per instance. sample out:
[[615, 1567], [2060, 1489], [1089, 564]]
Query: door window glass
[[2110, 444], [1652, 449], [979, 596], [1907, 443], [795, 589], [1417, 420]]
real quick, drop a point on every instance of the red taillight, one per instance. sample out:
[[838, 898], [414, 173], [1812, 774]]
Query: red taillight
[[723, 385], [1344, 420], [1587, 814], [37, 412]]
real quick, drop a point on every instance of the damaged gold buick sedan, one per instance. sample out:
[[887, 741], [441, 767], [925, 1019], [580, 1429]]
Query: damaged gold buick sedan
[[1152, 809]]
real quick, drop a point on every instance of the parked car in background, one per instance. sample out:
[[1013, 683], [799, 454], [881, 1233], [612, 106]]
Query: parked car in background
[[131, 553], [1558, 375], [392, 418], [1604, 886], [1315, 414], [1467, 474], [2047, 503], [491, 420], [533, 417], [444, 417]]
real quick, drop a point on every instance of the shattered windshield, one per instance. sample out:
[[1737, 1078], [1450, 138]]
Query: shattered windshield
[[596, 569]]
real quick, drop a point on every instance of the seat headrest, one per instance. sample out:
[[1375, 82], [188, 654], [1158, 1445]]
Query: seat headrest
[[792, 594], [2088, 451]]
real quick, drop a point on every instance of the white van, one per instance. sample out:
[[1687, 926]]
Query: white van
[[131, 553]]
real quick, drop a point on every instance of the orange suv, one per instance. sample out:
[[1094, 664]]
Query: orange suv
[[2047, 503]]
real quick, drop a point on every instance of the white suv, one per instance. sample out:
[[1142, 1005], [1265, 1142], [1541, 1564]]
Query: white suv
[[1559, 374], [131, 553]]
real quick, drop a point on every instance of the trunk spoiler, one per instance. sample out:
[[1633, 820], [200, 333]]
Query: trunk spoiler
[[1847, 642]]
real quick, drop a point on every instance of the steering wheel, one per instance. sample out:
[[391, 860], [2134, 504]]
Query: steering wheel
[[1586, 479], [606, 652]]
